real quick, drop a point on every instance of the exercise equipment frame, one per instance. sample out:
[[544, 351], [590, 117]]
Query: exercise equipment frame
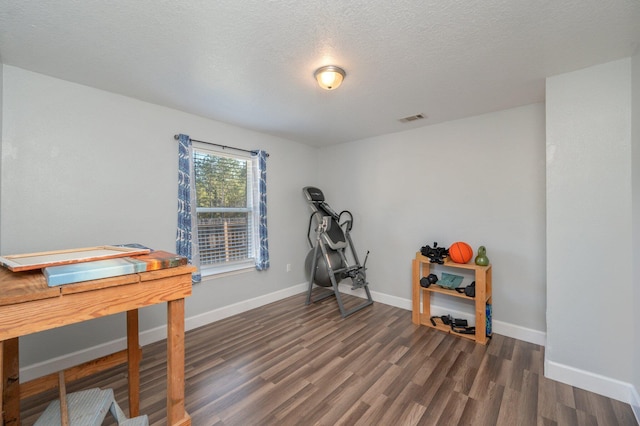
[[333, 237]]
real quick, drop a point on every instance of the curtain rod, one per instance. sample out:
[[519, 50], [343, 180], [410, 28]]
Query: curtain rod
[[176, 137]]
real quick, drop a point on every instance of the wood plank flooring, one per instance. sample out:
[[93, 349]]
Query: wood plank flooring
[[291, 364]]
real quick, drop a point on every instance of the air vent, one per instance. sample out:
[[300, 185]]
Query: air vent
[[412, 118]]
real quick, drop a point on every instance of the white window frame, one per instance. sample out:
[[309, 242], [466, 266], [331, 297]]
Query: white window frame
[[250, 262]]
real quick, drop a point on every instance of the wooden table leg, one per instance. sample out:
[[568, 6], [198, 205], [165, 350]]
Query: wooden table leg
[[1, 383], [176, 414], [64, 408], [133, 358], [10, 383]]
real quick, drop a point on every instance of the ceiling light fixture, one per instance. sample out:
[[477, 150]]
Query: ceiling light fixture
[[329, 77]]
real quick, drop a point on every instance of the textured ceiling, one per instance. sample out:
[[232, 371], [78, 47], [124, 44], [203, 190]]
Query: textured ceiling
[[251, 62]]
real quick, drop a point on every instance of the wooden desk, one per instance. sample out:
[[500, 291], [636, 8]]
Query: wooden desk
[[28, 305]]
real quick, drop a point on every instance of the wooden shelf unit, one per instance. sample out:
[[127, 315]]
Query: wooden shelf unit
[[422, 296]]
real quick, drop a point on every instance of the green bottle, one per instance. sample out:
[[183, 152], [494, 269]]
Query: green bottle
[[481, 258]]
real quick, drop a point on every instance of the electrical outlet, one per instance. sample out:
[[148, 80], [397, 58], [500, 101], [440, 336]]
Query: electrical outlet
[[288, 267]]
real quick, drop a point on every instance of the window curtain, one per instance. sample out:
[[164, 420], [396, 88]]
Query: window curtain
[[187, 233], [259, 160]]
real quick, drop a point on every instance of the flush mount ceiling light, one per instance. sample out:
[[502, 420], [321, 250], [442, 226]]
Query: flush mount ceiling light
[[329, 77]]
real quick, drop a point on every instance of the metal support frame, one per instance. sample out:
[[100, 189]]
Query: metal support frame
[[357, 272]]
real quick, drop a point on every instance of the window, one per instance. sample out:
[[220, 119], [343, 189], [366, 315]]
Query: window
[[225, 210]]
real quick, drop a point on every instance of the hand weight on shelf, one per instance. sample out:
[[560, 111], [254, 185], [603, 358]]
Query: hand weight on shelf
[[428, 280], [469, 290]]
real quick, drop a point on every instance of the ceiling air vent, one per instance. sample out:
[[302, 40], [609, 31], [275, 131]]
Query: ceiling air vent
[[412, 118]]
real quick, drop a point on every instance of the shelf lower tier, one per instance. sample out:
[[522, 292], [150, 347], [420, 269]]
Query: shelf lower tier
[[426, 321]]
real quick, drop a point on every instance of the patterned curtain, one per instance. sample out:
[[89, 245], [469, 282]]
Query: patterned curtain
[[260, 215], [187, 232]]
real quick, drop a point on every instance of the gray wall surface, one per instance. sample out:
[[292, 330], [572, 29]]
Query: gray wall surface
[[83, 167], [635, 149], [589, 224], [479, 180]]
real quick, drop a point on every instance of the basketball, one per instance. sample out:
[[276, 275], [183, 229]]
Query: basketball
[[460, 252]]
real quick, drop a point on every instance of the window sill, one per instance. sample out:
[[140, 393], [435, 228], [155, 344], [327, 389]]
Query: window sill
[[226, 271]]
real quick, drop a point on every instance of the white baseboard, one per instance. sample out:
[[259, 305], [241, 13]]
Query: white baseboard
[[635, 403], [606, 386], [521, 333], [499, 327], [156, 334], [237, 308], [398, 302], [592, 382], [579, 378], [62, 362]]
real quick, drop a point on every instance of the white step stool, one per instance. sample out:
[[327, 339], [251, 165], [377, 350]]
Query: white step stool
[[87, 408]]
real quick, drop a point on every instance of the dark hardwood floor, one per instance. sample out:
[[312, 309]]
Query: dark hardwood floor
[[291, 364]]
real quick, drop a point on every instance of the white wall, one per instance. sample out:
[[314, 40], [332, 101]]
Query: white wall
[[589, 242], [635, 148], [84, 167], [479, 180], [1, 97]]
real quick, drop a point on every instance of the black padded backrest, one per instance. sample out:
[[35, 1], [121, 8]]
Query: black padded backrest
[[313, 194], [322, 208], [334, 236]]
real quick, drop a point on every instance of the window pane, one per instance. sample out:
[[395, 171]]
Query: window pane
[[220, 181], [222, 184], [224, 237]]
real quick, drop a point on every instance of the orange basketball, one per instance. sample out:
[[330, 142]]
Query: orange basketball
[[460, 252]]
